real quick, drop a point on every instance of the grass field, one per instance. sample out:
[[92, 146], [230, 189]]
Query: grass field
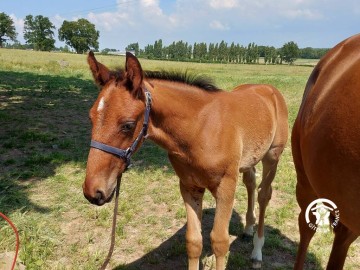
[[44, 141]]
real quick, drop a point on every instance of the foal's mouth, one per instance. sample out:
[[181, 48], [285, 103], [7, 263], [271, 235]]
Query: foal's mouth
[[99, 198], [111, 196]]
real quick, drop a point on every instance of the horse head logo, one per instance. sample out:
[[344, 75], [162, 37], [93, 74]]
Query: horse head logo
[[322, 212]]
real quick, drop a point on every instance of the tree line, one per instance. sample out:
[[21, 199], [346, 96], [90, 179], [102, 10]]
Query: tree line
[[225, 53], [82, 36]]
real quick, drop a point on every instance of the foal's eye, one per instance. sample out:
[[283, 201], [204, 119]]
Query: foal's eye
[[127, 127]]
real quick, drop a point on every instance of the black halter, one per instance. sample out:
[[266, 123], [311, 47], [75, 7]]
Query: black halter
[[126, 154]]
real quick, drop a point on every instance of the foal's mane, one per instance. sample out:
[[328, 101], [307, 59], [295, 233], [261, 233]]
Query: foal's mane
[[186, 77]]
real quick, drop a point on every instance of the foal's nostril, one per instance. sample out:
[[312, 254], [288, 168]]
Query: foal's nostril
[[99, 197]]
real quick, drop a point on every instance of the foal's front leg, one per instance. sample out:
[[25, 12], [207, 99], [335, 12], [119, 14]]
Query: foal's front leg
[[224, 196], [193, 198]]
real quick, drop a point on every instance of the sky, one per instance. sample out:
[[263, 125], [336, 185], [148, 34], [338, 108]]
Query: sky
[[309, 23]]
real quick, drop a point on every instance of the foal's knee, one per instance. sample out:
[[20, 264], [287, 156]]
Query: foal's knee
[[249, 179], [264, 195], [194, 245], [220, 243]]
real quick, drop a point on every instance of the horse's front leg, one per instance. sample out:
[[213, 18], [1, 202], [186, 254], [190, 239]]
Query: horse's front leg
[[193, 198], [224, 196]]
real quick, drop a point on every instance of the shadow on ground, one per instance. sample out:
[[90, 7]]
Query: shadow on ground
[[278, 252], [44, 124]]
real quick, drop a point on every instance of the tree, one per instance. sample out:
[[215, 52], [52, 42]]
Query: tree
[[149, 51], [232, 53], [7, 29], [80, 34], [181, 49], [211, 52], [38, 32], [290, 52], [223, 51], [158, 49], [252, 54], [189, 52], [270, 55], [133, 47], [312, 53]]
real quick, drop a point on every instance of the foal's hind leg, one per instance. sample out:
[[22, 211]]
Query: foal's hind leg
[[343, 239], [250, 183], [193, 198], [269, 162]]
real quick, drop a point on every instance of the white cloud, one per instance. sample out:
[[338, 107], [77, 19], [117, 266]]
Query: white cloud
[[57, 20], [109, 20], [217, 4], [133, 14], [217, 25], [19, 24], [265, 10], [151, 7], [304, 13]]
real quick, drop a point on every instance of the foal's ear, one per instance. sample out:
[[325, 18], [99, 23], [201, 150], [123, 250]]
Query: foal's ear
[[100, 73], [134, 74]]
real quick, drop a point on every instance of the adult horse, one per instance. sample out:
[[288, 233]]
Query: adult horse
[[326, 147], [210, 136]]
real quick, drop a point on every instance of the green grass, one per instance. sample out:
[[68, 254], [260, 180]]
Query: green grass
[[44, 137]]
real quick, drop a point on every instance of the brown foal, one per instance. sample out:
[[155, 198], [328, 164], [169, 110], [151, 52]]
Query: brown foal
[[211, 136]]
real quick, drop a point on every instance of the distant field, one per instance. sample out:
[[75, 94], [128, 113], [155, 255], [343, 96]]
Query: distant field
[[44, 138]]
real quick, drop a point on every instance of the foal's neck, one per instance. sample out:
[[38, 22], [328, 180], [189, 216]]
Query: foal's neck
[[176, 109]]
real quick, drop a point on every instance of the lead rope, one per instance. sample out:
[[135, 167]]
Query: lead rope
[[17, 241], [111, 249]]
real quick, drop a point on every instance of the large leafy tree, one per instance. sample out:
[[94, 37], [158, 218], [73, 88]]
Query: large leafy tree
[[290, 52], [38, 32], [80, 34], [7, 29]]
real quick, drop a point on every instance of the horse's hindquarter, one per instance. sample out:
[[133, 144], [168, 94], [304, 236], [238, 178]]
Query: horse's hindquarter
[[259, 114], [328, 132]]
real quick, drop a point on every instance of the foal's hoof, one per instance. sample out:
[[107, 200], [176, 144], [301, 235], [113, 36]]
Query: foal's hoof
[[256, 264], [246, 237]]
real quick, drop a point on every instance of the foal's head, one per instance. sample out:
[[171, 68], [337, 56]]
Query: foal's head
[[117, 118]]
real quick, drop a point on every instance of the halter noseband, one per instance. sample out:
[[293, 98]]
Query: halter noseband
[[126, 154]]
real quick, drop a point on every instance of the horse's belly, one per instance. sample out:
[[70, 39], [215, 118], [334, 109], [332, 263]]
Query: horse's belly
[[253, 154]]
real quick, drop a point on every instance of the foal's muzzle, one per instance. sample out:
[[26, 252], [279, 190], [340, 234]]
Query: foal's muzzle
[[99, 197]]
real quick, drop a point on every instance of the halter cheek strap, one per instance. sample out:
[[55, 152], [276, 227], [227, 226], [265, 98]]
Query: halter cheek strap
[[126, 154], [120, 153]]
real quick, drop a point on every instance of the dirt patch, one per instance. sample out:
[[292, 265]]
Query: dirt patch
[[7, 259]]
